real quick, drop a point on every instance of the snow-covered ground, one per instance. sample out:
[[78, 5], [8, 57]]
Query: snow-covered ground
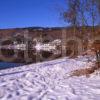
[[50, 81]]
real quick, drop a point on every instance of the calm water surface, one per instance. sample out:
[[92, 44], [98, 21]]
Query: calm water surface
[[4, 65]]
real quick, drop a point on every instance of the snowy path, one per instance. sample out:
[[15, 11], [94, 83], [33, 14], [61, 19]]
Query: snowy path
[[48, 81]]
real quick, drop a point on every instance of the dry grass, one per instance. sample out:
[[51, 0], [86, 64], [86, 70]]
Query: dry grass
[[86, 71], [82, 72]]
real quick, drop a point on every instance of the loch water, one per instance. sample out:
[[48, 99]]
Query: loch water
[[4, 65]]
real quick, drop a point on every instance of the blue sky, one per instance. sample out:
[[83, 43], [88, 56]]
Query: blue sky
[[26, 13]]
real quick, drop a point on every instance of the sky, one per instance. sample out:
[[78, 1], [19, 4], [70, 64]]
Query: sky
[[31, 13]]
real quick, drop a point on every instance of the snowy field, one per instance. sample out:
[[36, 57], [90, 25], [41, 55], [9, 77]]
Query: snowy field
[[50, 81]]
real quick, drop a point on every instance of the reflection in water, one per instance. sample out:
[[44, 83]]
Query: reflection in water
[[14, 54]]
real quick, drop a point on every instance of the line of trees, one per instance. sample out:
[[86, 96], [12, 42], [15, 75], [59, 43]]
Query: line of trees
[[83, 13]]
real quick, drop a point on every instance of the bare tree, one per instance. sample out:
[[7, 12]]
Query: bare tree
[[70, 15], [82, 12]]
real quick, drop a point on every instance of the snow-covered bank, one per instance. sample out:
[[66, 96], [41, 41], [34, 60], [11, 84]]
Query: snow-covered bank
[[50, 81]]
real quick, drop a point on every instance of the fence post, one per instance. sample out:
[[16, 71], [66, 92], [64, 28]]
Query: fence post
[[98, 57]]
